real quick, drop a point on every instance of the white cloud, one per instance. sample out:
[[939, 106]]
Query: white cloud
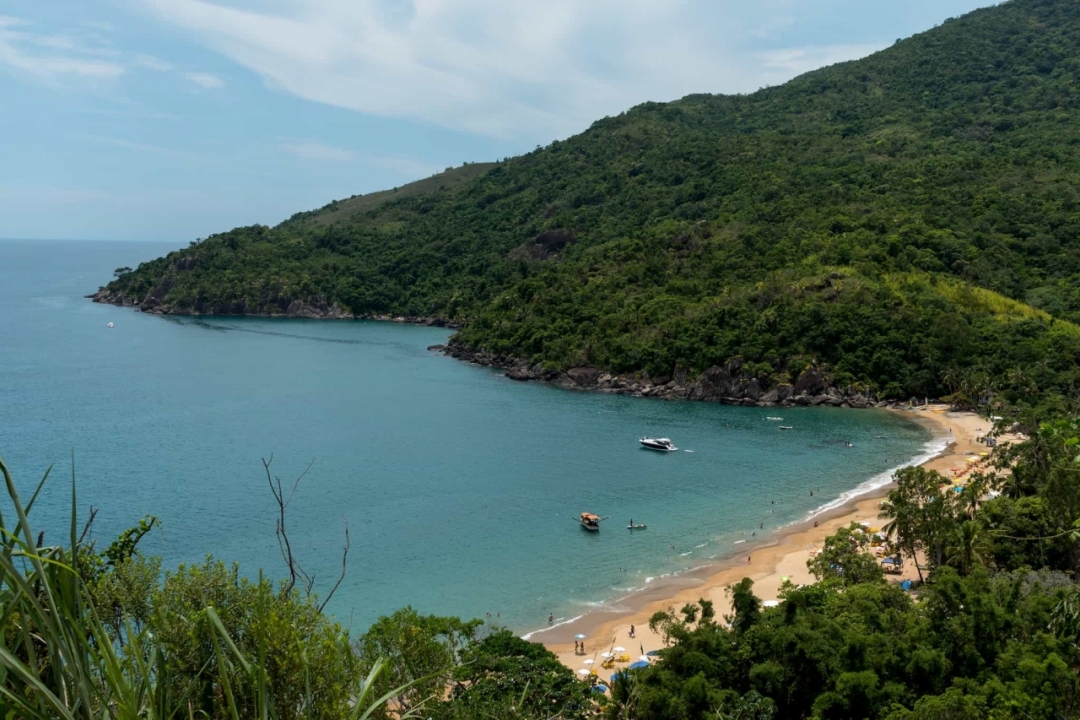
[[795, 61], [510, 68], [407, 167], [315, 150], [204, 80], [53, 58], [149, 62]]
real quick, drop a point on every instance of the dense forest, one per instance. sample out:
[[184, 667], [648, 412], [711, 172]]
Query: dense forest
[[907, 221]]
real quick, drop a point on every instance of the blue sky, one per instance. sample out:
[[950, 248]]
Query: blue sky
[[174, 119]]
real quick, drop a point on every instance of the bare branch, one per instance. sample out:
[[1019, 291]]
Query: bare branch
[[89, 522], [344, 557], [296, 570]]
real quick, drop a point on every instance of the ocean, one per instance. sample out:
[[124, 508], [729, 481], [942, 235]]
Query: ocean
[[460, 487]]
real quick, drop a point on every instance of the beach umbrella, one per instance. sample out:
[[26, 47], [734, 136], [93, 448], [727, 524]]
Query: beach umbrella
[[579, 636], [644, 658], [639, 664], [590, 661], [583, 672], [606, 654], [620, 649]]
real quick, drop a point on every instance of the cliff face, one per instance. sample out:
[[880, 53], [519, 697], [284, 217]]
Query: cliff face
[[731, 384]]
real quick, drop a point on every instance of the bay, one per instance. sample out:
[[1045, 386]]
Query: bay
[[459, 487]]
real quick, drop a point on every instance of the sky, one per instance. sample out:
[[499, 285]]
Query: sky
[[174, 119]]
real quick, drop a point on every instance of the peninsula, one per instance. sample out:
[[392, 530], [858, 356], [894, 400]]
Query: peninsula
[[905, 223]]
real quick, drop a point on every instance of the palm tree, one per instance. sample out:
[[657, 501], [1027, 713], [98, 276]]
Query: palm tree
[[970, 546]]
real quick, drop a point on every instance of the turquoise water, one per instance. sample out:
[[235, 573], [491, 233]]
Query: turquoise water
[[459, 486]]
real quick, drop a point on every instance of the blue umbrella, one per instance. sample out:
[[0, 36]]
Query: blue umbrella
[[639, 664], [579, 636], [616, 676]]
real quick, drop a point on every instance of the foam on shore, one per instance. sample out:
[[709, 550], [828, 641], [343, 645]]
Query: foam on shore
[[932, 449]]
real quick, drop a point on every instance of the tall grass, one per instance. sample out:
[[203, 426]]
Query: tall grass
[[57, 659]]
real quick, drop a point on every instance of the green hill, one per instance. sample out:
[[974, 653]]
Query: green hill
[[909, 222]]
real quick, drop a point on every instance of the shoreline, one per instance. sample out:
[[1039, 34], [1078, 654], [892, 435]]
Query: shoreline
[[781, 555]]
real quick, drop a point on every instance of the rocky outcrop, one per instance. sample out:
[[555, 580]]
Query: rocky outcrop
[[730, 384], [315, 307]]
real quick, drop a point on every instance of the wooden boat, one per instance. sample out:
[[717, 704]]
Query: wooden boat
[[590, 522]]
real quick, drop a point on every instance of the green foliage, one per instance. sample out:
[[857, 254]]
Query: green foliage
[[301, 653], [419, 649], [503, 676], [845, 558], [908, 220]]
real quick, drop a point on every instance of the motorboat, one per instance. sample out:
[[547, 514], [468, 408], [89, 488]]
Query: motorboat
[[637, 526], [661, 444], [110, 325], [590, 522], [770, 417], [786, 427]]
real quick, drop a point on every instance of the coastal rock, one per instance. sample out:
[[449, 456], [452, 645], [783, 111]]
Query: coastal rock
[[747, 389], [810, 382], [437, 348], [585, 376], [770, 398], [316, 308], [714, 384]]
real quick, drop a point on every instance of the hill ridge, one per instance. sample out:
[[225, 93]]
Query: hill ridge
[[675, 237]]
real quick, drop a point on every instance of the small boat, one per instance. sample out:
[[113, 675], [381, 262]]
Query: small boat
[[661, 444], [773, 418], [639, 526], [787, 427], [590, 522], [110, 325]]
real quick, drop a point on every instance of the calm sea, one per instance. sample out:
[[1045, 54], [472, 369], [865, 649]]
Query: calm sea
[[460, 487]]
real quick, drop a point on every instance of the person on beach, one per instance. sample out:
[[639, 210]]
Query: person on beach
[[551, 618], [575, 647], [748, 559]]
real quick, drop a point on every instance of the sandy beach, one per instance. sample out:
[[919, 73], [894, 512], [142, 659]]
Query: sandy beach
[[781, 555]]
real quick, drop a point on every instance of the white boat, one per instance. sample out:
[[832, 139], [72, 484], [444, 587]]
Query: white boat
[[773, 418], [661, 444], [110, 325], [638, 526]]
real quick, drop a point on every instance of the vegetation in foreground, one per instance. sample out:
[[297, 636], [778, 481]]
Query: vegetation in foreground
[[907, 221], [992, 633]]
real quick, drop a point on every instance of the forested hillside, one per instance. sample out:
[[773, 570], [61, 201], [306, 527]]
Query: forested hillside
[[907, 222]]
